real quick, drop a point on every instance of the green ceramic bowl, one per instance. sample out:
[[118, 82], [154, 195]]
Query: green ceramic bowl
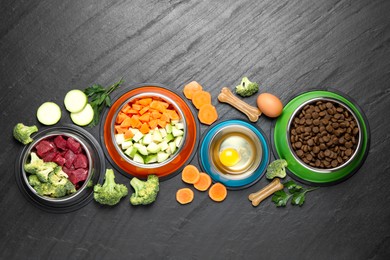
[[298, 169]]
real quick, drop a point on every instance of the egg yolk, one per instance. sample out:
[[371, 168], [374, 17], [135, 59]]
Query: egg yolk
[[229, 157]]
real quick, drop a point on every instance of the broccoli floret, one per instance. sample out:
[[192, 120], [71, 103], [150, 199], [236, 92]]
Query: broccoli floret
[[276, 169], [110, 193], [57, 178], [145, 191], [34, 181], [40, 168], [22, 133], [247, 88]]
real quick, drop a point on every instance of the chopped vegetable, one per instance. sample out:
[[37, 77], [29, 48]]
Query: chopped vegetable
[[49, 113], [191, 88], [38, 167], [247, 88], [218, 192], [22, 133], [145, 192], [83, 117], [99, 98], [203, 183], [200, 98], [110, 193], [296, 193], [190, 174], [207, 114], [75, 100], [267, 191], [276, 168], [184, 196]]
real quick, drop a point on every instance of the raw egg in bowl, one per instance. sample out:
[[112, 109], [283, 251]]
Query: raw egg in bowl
[[235, 153]]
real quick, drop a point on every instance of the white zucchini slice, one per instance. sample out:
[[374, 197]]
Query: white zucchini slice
[[49, 113], [75, 100], [84, 117]]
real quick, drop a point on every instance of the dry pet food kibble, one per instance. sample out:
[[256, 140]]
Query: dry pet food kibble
[[324, 134]]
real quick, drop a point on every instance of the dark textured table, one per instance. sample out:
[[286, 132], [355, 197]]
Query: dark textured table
[[50, 47]]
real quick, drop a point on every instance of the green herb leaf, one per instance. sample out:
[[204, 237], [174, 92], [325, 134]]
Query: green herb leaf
[[280, 198], [99, 97], [292, 186]]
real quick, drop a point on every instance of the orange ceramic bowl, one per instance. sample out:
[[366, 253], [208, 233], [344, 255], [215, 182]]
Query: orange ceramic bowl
[[132, 169]]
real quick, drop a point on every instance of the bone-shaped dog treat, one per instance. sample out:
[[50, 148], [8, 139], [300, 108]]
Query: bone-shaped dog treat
[[226, 96]]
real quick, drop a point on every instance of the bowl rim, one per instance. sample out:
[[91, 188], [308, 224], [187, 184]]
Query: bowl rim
[[121, 152]]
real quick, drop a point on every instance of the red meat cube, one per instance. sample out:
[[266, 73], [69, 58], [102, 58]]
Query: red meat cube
[[49, 156], [73, 145], [78, 175], [44, 147], [58, 159], [60, 142], [80, 161], [69, 157]]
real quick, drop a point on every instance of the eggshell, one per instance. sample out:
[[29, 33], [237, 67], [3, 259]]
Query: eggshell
[[269, 105]]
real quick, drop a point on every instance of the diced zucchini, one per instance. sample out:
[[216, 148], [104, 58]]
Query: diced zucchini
[[131, 151], [168, 128], [126, 144], [153, 148], [141, 148], [172, 147], [180, 125], [119, 138], [135, 130], [177, 132], [163, 145], [174, 122], [161, 156], [147, 139], [152, 158], [157, 137], [163, 132], [137, 136], [138, 158], [169, 138], [178, 141]]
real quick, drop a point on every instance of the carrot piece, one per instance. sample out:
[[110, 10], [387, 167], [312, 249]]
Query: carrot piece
[[134, 122], [161, 123], [153, 123], [126, 123], [200, 98], [190, 88], [120, 117], [119, 129], [144, 118], [184, 196], [155, 114], [165, 117], [129, 134], [158, 106], [144, 110], [131, 111], [207, 114], [144, 128], [190, 174], [172, 114], [204, 182], [136, 107], [145, 101], [164, 104], [125, 107], [218, 192]]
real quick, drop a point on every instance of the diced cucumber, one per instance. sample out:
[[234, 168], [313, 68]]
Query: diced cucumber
[[157, 137], [168, 128], [141, 148], [161, 156], [83, 117], [178, 141], [126, 144], [169, 138], [138, 158], [49, 113], [172, 147], [75, 100], [180, 125], [119, 138], [131, 152], [163, 145], [153, 148], [152, 158], [137, 136], [177, 132], [163, 132], [147, 139]]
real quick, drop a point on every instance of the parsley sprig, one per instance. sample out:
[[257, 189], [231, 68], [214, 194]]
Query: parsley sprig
[[295, 192], [99, 98]]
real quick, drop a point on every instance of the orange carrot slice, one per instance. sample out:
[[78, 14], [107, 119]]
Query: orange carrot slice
[[207, 114], [200, 98], [184, 196], [218, 192], [190, 174], [203, 183], [190, 88]]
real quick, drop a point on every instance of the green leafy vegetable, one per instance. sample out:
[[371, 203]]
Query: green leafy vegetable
[[296, 192], [99, 98]]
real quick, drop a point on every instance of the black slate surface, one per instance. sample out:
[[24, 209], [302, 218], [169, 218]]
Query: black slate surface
[[50, 47]]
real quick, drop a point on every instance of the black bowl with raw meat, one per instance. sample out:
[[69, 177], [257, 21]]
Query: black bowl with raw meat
[[76, 154]]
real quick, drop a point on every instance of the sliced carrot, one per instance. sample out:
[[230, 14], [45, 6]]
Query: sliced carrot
[[207, 114], [144, 110], [190, 174], [203, 183], [144, 128], [161, 123], [120, 130], [126, 123], [145, 101], [144, 118], [125, 107], [120, 117], [218, 192], [164, 104], [172, 114], [153, 123], [136, 107], [158, 106], [135, 123], [155, 114], [200, 98], [165, 117], [184, 196], [190, 88], [129, 134]]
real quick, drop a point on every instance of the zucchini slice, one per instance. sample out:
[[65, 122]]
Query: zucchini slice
[[75, 100], [49, 113], [84, 117]]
